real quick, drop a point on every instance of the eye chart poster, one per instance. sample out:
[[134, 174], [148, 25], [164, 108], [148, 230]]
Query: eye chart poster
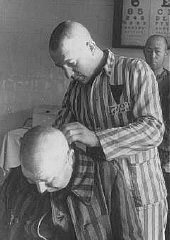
[[142, 18]]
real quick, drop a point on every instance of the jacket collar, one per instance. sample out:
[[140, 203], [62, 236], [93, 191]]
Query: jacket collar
[[164, 73], [82, 180], [109, 62]]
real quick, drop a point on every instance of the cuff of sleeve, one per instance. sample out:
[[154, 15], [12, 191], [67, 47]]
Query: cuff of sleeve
[[108, 143]]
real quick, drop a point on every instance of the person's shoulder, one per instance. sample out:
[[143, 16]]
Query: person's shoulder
[[11, 182], [15, 181], [124, 63], [139, 64], [119, 56], [129, 61], [13, 175]]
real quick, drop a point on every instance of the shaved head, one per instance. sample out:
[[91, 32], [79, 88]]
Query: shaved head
[[154, 37], [68, 30], [41, 146], [46, 159], [72, 48]]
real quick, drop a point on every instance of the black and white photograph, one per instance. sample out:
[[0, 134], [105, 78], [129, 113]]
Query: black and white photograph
[[84, 119]]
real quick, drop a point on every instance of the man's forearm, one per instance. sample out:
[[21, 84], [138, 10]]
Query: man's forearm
[[142, 135]]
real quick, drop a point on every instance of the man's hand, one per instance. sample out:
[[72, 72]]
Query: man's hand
[[76, 132]]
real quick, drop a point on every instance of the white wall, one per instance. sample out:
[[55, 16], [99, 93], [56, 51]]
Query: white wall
[[27, 75]]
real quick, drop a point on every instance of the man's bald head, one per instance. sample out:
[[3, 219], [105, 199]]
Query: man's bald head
[[46, 159], [41, 146], [157, 37], [68, 30]]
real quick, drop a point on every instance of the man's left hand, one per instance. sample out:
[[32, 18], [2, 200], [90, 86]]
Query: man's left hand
[[76, 132]]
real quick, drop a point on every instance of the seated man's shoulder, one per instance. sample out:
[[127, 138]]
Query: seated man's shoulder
[[15, 183], [15, 175]]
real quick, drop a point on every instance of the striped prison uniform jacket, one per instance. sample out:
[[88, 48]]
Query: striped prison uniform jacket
[[97, 197], [122, 106]]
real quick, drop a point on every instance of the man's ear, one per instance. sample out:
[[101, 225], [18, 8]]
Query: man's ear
[[91, 45], [73, 62], [166, 53]]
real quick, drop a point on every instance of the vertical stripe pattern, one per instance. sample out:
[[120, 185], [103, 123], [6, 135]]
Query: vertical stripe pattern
[[129, 131]]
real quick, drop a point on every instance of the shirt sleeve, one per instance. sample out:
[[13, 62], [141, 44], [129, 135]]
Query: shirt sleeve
[[65, 114], [146, 131]]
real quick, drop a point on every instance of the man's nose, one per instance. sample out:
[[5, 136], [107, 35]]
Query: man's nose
[[41, 187], [153, 54]]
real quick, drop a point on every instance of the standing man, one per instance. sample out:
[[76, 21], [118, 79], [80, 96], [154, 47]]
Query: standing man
[[112, 106], [155, 52]]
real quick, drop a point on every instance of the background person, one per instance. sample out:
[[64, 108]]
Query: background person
[[155, 51], [112, 106], [76, 197]]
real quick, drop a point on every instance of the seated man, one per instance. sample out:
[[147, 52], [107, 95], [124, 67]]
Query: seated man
[[77, 198]]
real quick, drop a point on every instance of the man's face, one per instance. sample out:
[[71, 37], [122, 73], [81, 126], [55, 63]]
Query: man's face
[[74, 60], [52, 175], [154, 52]]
